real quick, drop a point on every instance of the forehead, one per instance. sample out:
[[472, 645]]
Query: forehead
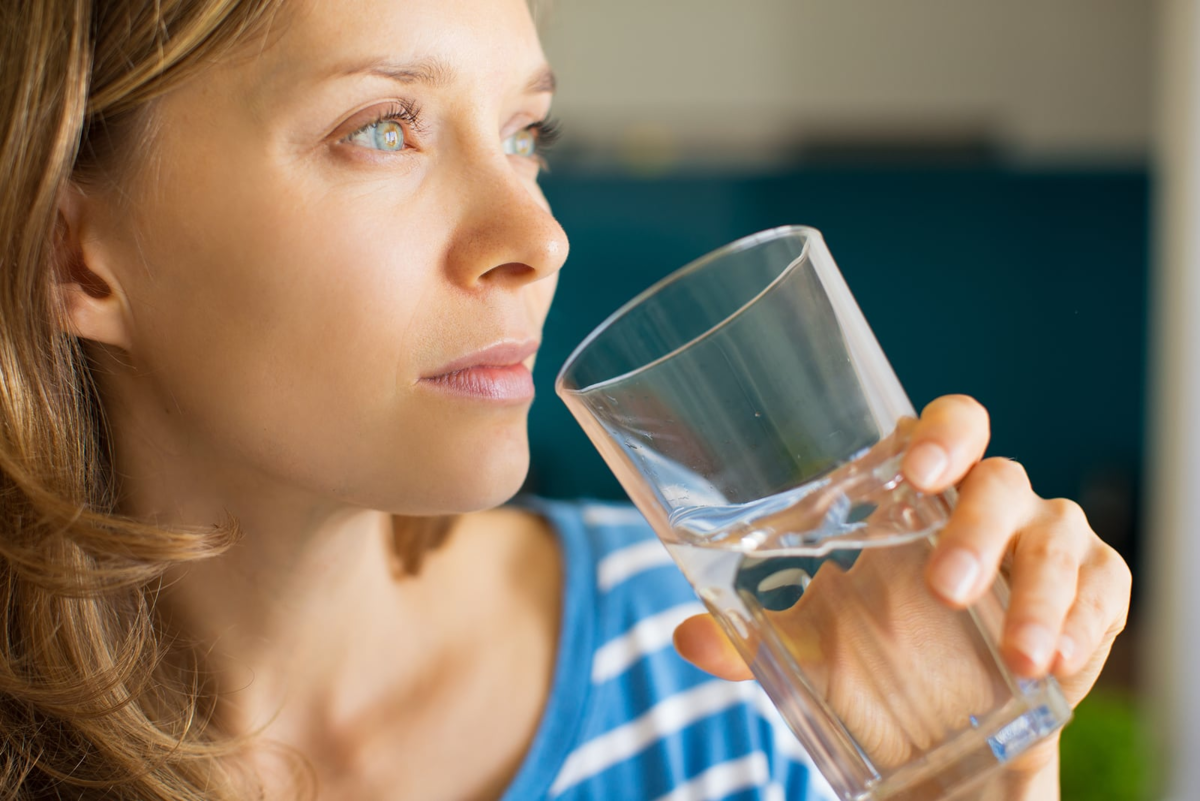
[[491, 41]]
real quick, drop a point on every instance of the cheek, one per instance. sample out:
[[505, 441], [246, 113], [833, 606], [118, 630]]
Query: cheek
[[286, 338], [282, 291]]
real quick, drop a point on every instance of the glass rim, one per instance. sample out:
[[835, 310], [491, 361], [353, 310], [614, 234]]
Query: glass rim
[[745, 243]]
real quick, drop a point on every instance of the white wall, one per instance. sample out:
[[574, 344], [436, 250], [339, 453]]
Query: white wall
[[1173, 508], [1047, 78]]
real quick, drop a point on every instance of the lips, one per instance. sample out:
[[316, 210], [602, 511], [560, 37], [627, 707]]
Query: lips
[[494, 373]]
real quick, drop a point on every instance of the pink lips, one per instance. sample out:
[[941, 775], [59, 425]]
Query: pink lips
[[496, 373]]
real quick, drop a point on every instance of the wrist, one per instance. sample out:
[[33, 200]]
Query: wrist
[[1041, 786], [1033, 777]]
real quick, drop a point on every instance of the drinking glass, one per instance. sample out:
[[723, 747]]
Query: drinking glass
[[750, 414]]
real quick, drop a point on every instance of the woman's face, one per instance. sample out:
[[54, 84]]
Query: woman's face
[[327, 224]]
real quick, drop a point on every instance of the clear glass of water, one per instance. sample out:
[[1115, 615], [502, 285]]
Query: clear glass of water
[[749, 412]]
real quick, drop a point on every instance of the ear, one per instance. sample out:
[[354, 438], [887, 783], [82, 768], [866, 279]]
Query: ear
[[88, 288]]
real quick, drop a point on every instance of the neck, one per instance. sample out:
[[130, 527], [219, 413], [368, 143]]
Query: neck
[[306, 609], [287, 614], [311, 636]]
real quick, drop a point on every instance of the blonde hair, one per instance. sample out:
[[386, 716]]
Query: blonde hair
[[94, 700]]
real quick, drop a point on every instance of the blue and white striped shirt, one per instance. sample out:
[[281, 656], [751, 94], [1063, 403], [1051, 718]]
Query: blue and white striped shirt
[[627, 718]]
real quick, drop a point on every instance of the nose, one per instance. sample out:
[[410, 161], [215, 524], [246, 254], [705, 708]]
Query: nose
[[506, 235]]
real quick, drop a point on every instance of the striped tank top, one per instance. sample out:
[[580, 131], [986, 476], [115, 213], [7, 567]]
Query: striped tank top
[[627, 718]]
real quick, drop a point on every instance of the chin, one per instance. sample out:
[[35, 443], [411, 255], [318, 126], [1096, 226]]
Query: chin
[[496, 490], [470, 481]]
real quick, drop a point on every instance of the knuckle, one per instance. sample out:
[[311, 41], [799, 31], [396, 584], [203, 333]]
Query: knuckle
[[1108, 556], [1104, 607], [974, 407], [1068, 513], [1109, 562], [1122, 575], [962, 404], [1053, 553], [1007, 472]]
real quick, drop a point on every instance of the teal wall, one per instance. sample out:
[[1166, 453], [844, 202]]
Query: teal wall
[[1025, 289]]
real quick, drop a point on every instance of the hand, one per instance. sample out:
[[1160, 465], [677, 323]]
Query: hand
[[1070, 591]]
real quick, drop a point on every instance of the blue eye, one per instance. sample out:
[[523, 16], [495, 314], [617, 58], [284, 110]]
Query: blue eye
[[385, 135], [534, 141], [523, 143]]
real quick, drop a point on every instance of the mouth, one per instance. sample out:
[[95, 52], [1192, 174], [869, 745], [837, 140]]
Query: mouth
[[500, 373]]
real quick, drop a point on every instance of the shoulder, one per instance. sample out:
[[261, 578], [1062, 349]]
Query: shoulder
[[635, 595], [608, 525], [654, 725]]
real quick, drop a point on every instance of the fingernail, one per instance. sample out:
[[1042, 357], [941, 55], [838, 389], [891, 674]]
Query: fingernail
[[925, 464], [1036, 642], [1066, 649], [955, 574]]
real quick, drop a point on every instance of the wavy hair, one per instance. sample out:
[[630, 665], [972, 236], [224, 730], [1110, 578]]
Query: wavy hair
[[95, 699]]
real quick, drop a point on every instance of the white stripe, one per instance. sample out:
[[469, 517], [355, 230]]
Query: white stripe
[[774, 792], [645, 637], [723, 779], [629, 561], [597, 514], [666, 717]]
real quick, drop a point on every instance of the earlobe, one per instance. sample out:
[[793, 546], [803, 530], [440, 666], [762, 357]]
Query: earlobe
[[87, 289]]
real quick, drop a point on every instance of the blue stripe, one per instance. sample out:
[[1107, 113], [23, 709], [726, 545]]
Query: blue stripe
[[653, 679], [640, 597], [567, 704], [578, 712]]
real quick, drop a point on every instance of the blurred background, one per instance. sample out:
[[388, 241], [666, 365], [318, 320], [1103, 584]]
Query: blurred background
[[1009, 187]]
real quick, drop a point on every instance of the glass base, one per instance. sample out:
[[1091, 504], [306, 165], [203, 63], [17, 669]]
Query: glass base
[[961, 764]]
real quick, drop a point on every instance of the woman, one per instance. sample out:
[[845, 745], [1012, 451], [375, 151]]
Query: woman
[[273, 274]]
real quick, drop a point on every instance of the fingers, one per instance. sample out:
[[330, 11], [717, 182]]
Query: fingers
[[1098, 614], [994, 502], [1047, 563], [949, 439], [701, 641]]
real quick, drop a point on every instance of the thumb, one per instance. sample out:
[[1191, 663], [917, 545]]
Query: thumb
[[700, 640]]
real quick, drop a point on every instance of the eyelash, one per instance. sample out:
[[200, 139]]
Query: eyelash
[[547, 131], [405, 111]]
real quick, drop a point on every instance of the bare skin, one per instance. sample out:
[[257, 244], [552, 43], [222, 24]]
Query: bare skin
[[282, 274]]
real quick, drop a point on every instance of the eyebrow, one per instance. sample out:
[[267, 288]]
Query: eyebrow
[[437, 73], [542, 81]]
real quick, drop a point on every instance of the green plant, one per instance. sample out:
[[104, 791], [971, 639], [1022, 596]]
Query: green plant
[[1106, 751]]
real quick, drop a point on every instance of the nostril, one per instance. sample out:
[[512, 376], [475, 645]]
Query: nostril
[[510, 270]]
